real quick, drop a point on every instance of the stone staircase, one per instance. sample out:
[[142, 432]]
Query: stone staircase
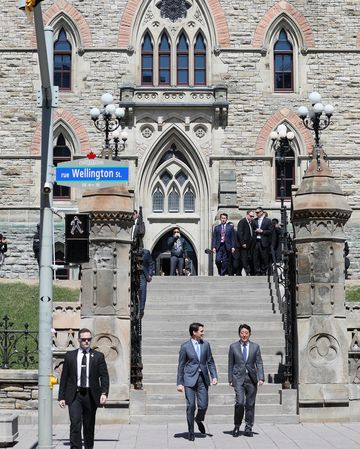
[[221, 304]]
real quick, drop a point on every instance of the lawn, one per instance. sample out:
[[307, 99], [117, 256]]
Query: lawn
[[20, 303], [352, 294]]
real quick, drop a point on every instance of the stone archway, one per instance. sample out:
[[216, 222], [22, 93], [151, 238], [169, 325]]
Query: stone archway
[[161, 256]]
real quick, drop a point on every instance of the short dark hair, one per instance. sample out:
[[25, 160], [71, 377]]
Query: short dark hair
[[225, 214], [176, 229], [83, 330], [244, 326], [194, 327], [260, 208]]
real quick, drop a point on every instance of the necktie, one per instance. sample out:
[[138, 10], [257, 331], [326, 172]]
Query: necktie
[[83, 371], [198, 350], [245, 352], [222, 233]]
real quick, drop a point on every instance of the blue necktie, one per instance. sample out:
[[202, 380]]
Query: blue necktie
[[245, 352], [198, 350]]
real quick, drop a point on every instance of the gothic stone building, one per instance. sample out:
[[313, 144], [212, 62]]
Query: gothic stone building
[[203, 84]]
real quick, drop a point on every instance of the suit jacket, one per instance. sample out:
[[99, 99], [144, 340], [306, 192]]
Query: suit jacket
[[244, 234], [189, 366], [148, 264], [229, 237], [238, 367], [173, 251], [98, 377], [267, 227]]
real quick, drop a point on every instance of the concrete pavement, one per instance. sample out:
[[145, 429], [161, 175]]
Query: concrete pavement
[[173, 436]]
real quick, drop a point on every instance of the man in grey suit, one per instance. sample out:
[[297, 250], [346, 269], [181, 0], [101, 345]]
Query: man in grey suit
[[246, 372], [195, 362]]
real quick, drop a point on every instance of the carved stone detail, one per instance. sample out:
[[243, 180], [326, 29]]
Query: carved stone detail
[[107, 344], [173, 9], [323, 349]]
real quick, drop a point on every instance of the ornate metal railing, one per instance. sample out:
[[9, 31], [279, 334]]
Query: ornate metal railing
[[284, 277], [136, 327], [18, 348]]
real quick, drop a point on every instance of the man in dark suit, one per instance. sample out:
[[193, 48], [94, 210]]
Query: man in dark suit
[[245, 373], [223, 243], [195, 362], [178, 252], [263, 235], [84, 385], [245, 235], [145, 277]]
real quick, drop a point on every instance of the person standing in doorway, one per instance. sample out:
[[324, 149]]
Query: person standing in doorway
[[223, 244], [195, 362], [84, 385], [178, 252], [245, 372]]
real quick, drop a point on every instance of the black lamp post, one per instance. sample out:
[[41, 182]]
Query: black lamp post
[[108, 120], [282, 139], [314, 120]]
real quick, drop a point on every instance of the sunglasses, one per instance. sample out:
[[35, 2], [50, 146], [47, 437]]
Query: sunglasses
[[257, 211], [251, 216], [85, 339]]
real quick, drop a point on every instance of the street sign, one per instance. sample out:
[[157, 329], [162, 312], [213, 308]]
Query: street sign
[[91, 173]]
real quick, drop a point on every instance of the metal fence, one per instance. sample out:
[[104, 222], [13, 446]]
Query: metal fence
[[18, 348]]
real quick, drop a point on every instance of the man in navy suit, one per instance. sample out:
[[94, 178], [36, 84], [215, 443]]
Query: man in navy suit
[[84, 385], [145, 277], [245, 373], [195, 362], [223, 243], [263, 236]]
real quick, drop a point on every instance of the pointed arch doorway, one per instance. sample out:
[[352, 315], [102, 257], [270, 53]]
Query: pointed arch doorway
[[161, 257], [174, 189]]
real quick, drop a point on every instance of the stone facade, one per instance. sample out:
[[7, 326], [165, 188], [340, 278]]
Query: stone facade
[[222, 125]]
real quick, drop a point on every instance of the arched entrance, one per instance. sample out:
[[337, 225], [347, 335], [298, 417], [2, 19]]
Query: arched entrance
[[161, 257]]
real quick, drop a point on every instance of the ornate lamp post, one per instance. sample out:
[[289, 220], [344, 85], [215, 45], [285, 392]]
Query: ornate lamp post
[[282, 139], [108, 120], [314, 120]]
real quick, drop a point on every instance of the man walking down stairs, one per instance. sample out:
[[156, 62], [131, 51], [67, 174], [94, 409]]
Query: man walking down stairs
[[221, 303]]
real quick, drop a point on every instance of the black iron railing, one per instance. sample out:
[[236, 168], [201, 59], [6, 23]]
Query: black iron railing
[[136, 328], [18, 348]]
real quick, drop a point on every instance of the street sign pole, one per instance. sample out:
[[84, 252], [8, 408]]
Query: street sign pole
[[45, 56]]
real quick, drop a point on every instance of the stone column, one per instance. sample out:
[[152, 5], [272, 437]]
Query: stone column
[[105, 290], [320, 212]]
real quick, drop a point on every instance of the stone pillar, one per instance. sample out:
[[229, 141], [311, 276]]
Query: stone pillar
[[105, 290], [320, 212]]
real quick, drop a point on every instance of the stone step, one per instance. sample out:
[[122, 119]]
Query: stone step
[[222, 376], [214, 409], [214, 399], [221, 359], [155, 346], [164, 388], [227, 420], [222, 368], [263, 331]]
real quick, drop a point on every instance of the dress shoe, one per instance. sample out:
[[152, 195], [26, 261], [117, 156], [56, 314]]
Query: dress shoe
[[236, 432], [191, 436], [248, 432], [201, 427]]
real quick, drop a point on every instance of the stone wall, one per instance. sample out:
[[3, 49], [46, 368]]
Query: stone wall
[[18, 389], [327, 60]]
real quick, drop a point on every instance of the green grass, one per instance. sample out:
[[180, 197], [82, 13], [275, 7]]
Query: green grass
[[20, 302], [352, 294]]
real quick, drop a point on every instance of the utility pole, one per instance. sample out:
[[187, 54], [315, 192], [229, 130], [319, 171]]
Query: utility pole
[[47, 100]]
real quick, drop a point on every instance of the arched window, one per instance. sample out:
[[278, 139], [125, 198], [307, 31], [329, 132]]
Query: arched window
[[158, 201], [147, 61], [199, 61], [164, 61], [173, 201], [189, 201], [283, 64], [62, 61], [287, 178], [62, 153], [182, 61]]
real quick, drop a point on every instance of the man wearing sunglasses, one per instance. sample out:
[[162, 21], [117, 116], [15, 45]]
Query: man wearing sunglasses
[[84, 385]]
